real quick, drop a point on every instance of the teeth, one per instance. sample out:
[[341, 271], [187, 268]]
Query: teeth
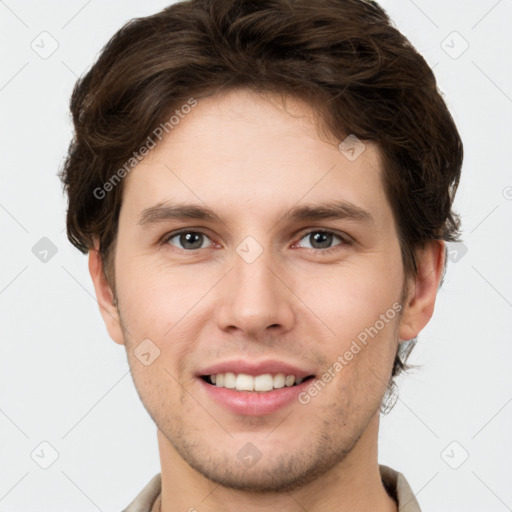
[[279, 380], [229, 380], [262, 383], [244, 382]]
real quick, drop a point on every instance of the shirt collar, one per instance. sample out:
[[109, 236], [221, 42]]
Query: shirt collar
[[395, 483]]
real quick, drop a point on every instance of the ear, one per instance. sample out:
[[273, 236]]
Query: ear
[[105, 296], [422, 289]]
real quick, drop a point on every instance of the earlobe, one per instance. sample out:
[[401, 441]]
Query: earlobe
[[421, 297], [105, 297]]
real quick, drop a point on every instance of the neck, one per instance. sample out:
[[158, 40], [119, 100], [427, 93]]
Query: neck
[[354, 484]]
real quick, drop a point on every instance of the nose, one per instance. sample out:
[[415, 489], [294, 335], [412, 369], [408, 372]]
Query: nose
[[255, 298]]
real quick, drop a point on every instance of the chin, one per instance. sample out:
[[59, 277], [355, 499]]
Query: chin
[[282, 473]]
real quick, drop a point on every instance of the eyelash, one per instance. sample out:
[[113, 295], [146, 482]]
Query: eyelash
[[345, 239]]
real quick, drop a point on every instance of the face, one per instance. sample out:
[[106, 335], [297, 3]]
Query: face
[[251, 249]]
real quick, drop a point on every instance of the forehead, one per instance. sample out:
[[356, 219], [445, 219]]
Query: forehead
[[241, 149]]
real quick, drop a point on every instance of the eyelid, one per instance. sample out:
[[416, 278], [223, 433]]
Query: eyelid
[[346, 239], [165, 239], [306, 231]]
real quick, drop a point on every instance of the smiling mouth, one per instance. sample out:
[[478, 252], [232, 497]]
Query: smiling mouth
[[260, 383]]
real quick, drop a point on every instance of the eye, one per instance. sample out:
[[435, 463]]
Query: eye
[[321, 239], [187, 240]]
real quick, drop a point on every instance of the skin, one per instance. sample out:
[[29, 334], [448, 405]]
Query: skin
[[250, 160]]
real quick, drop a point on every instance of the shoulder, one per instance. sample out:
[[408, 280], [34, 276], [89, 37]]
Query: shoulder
[[398, 488], [146, 498]]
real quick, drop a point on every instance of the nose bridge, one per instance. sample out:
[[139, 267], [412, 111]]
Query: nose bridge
[[254, 297]]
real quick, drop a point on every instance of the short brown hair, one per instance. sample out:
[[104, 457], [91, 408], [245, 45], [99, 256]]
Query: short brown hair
[[344, 57]]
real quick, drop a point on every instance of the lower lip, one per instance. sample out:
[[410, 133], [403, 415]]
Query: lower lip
[[254, 403]]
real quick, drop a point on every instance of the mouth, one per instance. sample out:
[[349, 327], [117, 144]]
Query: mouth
[[263, 383], [254, 388]]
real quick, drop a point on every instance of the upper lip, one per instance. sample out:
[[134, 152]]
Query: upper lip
[[254, 368]]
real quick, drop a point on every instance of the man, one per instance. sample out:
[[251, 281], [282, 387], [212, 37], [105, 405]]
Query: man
[[264, 190]]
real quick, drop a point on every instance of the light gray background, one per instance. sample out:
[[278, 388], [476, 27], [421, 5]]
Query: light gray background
[[64, 382]]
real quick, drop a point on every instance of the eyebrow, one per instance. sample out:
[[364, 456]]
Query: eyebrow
[[165, 211], [331, 210], [311, 212]]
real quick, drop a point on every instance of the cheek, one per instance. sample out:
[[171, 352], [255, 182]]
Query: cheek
[[155, 298], [360, 305], [162, 304], [350, 298]]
